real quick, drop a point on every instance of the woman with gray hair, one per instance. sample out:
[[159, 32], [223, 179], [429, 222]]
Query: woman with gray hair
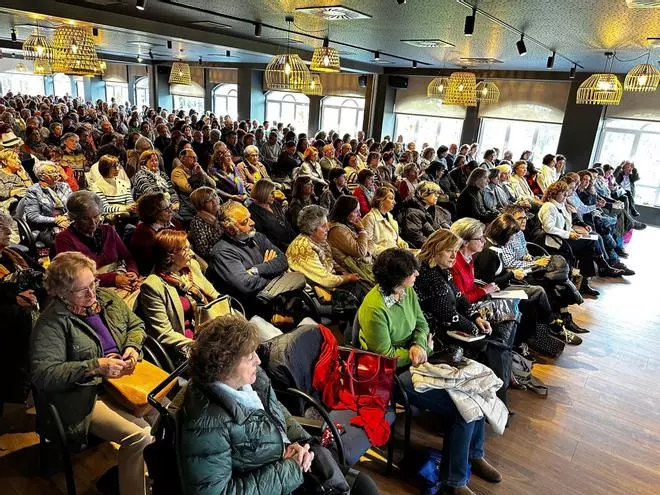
[[85, 336], [310, 253], [251, 169], [100, 242], [471, 203], [420, 216], [268, 210], [45, 202]]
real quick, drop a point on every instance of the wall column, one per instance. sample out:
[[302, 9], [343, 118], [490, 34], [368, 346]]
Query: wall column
[[314, 123], [162, 86], [208, 92], [251, 98], [382, 114]]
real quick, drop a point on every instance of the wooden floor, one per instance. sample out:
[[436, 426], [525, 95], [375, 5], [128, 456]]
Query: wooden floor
[[598, 431]]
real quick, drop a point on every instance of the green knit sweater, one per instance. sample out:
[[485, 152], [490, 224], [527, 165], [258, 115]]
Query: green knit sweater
[[392, 331]]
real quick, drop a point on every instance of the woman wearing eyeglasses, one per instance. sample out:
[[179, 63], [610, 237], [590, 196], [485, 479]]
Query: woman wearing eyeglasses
[[150, 178], [86, 335], [169, 296], [114, 191]]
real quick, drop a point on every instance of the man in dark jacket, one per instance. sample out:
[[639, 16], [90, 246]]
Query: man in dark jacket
[[243, 261]]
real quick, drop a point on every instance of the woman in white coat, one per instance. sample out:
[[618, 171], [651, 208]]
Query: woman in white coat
[[561, 238], [379, 223], [519, 185], [170, 295]]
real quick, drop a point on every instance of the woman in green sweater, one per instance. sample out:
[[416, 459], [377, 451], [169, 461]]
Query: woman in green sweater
[[392, 324]]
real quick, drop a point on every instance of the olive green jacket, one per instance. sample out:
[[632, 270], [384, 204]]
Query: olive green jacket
[[65, 352], [227, 448]]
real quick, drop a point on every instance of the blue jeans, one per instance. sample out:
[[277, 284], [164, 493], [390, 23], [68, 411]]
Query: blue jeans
[[463, 441]]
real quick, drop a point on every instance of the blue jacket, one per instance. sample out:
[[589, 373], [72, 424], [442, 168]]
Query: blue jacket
[[39, 205]]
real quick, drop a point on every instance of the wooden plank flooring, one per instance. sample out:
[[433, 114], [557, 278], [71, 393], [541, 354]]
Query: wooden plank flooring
[[598, 431]]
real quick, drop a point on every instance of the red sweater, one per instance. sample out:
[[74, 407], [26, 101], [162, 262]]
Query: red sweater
[[362, 198], [113, 250], [463, 274]]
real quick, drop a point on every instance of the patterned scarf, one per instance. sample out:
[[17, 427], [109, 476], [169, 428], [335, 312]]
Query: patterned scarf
[[184, 284], [15, 263]]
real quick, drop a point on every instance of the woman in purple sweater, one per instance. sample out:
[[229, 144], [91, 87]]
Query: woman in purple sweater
[[100, 242]]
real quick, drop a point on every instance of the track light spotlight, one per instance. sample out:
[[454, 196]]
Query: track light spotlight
[[414, 64], [228, 54], [169, 44], [571, 74], [139, 58], [151, 55], [376, 55], [140, 4], [400, 2], [13, 34], [551, 61], [95, 31], [468, 30], [520, 44], [257, 30]]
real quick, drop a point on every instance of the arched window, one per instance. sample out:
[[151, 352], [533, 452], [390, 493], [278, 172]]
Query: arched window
[[225, 100], [27, 84], [80, 87], [289, 108], [116, 90], [142, 92], [185, 97], [62, 85], [342, 114]]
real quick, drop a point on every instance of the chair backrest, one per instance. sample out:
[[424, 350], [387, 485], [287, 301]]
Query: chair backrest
[[20, 209], [354, 339]]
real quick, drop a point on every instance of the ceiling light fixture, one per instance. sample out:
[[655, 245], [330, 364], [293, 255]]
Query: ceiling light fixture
[[325, 59], [257, 30], [314, 87], [468, 30], [37, 46], [287, 72], [401, 2], [228, 54], [487, 92], [437, 88], [571, 74], [139, 58], [13, 34], [151, 55], [180, 74], [376, 56], [600, 89], [74, 52], [642, 77], [461, 90], [414, 64], [551, 61], [169, 44], [520, 44], [140, 4], [95, 31], [42, 67]]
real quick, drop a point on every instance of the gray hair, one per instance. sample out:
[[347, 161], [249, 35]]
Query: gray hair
[[467, 228], [475, 175], [61, 273], [41, 168], [6, 221], [80, 202], [310, 218], [407, 168], [250, 149], [426, 188], [143, 144], [227, 212]]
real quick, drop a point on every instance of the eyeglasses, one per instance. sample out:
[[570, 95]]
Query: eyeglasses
[[90, 288], [482, 238], [166, 208]]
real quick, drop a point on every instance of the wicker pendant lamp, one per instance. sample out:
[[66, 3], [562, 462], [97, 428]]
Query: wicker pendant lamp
[[20, 68], [102, 66], [287, 72], [37, 46], [461, 89], [325, 59], [314, 87], [487, 92], [437, 88], [42, 67], [180, 74], [74, 52], [600, 89], [642, 77]]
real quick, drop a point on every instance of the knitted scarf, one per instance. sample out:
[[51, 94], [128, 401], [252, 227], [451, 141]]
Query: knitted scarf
[[14, 262], [184, 284]]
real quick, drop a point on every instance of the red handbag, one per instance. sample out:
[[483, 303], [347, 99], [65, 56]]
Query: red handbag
[[366, 376]]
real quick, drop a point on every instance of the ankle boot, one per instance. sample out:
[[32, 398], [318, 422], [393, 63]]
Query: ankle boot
[[485, 471], [586, 289], [605, 270], [570, 324], [459, 490]]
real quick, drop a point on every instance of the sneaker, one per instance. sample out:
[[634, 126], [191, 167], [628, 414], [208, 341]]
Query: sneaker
[[567, 337], [620, 266], [526, 352]]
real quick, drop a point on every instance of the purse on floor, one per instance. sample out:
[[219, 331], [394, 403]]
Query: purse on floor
[[130, 391]]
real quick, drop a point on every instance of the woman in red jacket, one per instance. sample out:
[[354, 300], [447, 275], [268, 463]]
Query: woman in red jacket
[[471, 231], [365, 190]]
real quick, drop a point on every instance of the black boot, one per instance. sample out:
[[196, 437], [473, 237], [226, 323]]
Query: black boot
[[639, 226], [586, 289], [620, 266], [605, 270], [621, 252], [571, 325]]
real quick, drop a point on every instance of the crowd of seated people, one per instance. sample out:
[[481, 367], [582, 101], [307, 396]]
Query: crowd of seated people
[[154, 213]]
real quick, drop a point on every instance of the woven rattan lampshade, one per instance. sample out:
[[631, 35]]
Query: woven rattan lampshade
[[487, 92], [42, 67], [287, 72], [74, 52], [180, 74], [600, 89], [102, 66], [314, 87], [642, 77], [437, 88], [461, 89], [20, 68], [325, 59], [37, 46]]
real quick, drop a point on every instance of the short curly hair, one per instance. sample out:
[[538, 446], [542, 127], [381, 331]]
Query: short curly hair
[[392, 267], [218, 347]]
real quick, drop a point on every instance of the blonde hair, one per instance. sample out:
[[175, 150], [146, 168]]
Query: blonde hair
[[426, 188], [200, 196], [62, 271], [467, 228], [6, 154], [440, 240]]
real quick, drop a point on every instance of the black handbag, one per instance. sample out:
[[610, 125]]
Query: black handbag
[[557, 270], [285, 283], [325, 476]]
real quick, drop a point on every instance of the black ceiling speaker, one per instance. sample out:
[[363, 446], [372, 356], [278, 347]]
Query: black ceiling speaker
[[398, 82], [362, 81]]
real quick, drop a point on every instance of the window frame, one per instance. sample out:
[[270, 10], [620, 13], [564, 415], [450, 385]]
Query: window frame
[[359, 122], [397, 130], [286, 97], [122, 86], [61, 76], [507, 135], [232, 92], [15, 80], [136, 88]]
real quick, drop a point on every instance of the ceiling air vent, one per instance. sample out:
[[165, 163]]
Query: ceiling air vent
[[428, 43], [479, 60], [210, 25], [643, 4], [334, 13], [103, 3]]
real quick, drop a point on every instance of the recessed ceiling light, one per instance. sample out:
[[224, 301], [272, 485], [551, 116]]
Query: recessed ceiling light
[[429, 43], [210, 24], [335, 13]]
